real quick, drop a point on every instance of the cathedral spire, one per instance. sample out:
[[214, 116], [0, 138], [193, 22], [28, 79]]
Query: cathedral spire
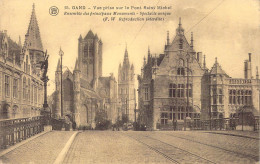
[[32, 38], [126, 59]]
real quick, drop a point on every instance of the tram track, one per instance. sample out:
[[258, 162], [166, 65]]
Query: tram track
[[170, 158], [254, 157]]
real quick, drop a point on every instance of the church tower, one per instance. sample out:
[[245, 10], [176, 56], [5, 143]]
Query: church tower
[[33, 41], [126, 90], [90, 58]]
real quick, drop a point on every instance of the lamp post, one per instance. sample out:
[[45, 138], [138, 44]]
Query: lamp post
[[61, 53]]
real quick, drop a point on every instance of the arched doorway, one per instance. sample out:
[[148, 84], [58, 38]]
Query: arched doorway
[[67, 96]]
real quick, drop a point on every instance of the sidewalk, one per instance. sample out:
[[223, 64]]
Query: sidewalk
[[45, 148], [239, 133]]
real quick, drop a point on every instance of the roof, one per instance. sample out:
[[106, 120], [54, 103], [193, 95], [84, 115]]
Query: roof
[[104, 81], [90, 35], [33, 37], [216, 69]]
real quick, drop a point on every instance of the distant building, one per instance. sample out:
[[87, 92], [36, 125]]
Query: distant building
[[126, 90], [85, 90], [177, 85], [21, 87]]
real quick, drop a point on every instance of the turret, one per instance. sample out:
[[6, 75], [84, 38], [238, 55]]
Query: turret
[[180, 30], [248, 67]]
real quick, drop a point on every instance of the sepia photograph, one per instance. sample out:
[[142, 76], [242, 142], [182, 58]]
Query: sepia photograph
[[129, 81]]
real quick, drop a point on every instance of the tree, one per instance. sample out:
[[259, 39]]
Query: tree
[[102, 123]]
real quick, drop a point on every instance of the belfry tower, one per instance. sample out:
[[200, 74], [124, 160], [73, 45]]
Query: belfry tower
[[90, 58], [126, 90]]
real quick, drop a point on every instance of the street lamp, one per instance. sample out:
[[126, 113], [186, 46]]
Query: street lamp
[[61, 53]]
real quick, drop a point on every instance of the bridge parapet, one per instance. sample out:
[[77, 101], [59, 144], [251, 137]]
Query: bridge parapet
[[16, 130]]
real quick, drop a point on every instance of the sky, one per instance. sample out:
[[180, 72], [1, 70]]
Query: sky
[[227, 29]]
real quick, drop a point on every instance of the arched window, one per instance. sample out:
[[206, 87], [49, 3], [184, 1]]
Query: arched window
[[29, 89], [24, 88], [181, 70]]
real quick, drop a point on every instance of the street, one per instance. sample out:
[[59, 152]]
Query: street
[[138, 147]]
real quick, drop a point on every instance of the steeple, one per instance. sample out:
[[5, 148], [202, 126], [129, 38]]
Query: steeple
[[33, 38], [58, 66], [126, 59], [80, 37], [257, 74], [180, 30], [204, 62], [19, 42], [76, 66], [144, 61]]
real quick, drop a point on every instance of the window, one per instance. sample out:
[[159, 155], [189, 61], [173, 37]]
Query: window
[[164, 118], [230, 96], [7, 85], [15, 88], [172, 90], [146, 93], [220, 100], [172, 112], [29, 89], [249, 97], [234, 97], [181, 71], [239, 97], [24, 88], [188, 90], [220, 91], [180, 90]]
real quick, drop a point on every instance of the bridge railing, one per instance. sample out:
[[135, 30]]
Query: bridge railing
[[221, 124], [16, 130]]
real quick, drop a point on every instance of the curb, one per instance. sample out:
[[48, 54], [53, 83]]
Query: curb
[[65, 150], [5, 151], [237, 135]]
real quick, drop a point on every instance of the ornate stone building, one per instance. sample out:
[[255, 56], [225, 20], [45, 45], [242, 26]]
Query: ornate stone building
[[177, 85], [21, 87], [126, 90], [85, 90]]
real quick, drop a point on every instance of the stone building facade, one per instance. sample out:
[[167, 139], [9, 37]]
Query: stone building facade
[[21, 87], [177, 85], [126, 89], [85, 90]]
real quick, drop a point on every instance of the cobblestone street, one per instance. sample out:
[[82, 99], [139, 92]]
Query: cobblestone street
[[138, 147]]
